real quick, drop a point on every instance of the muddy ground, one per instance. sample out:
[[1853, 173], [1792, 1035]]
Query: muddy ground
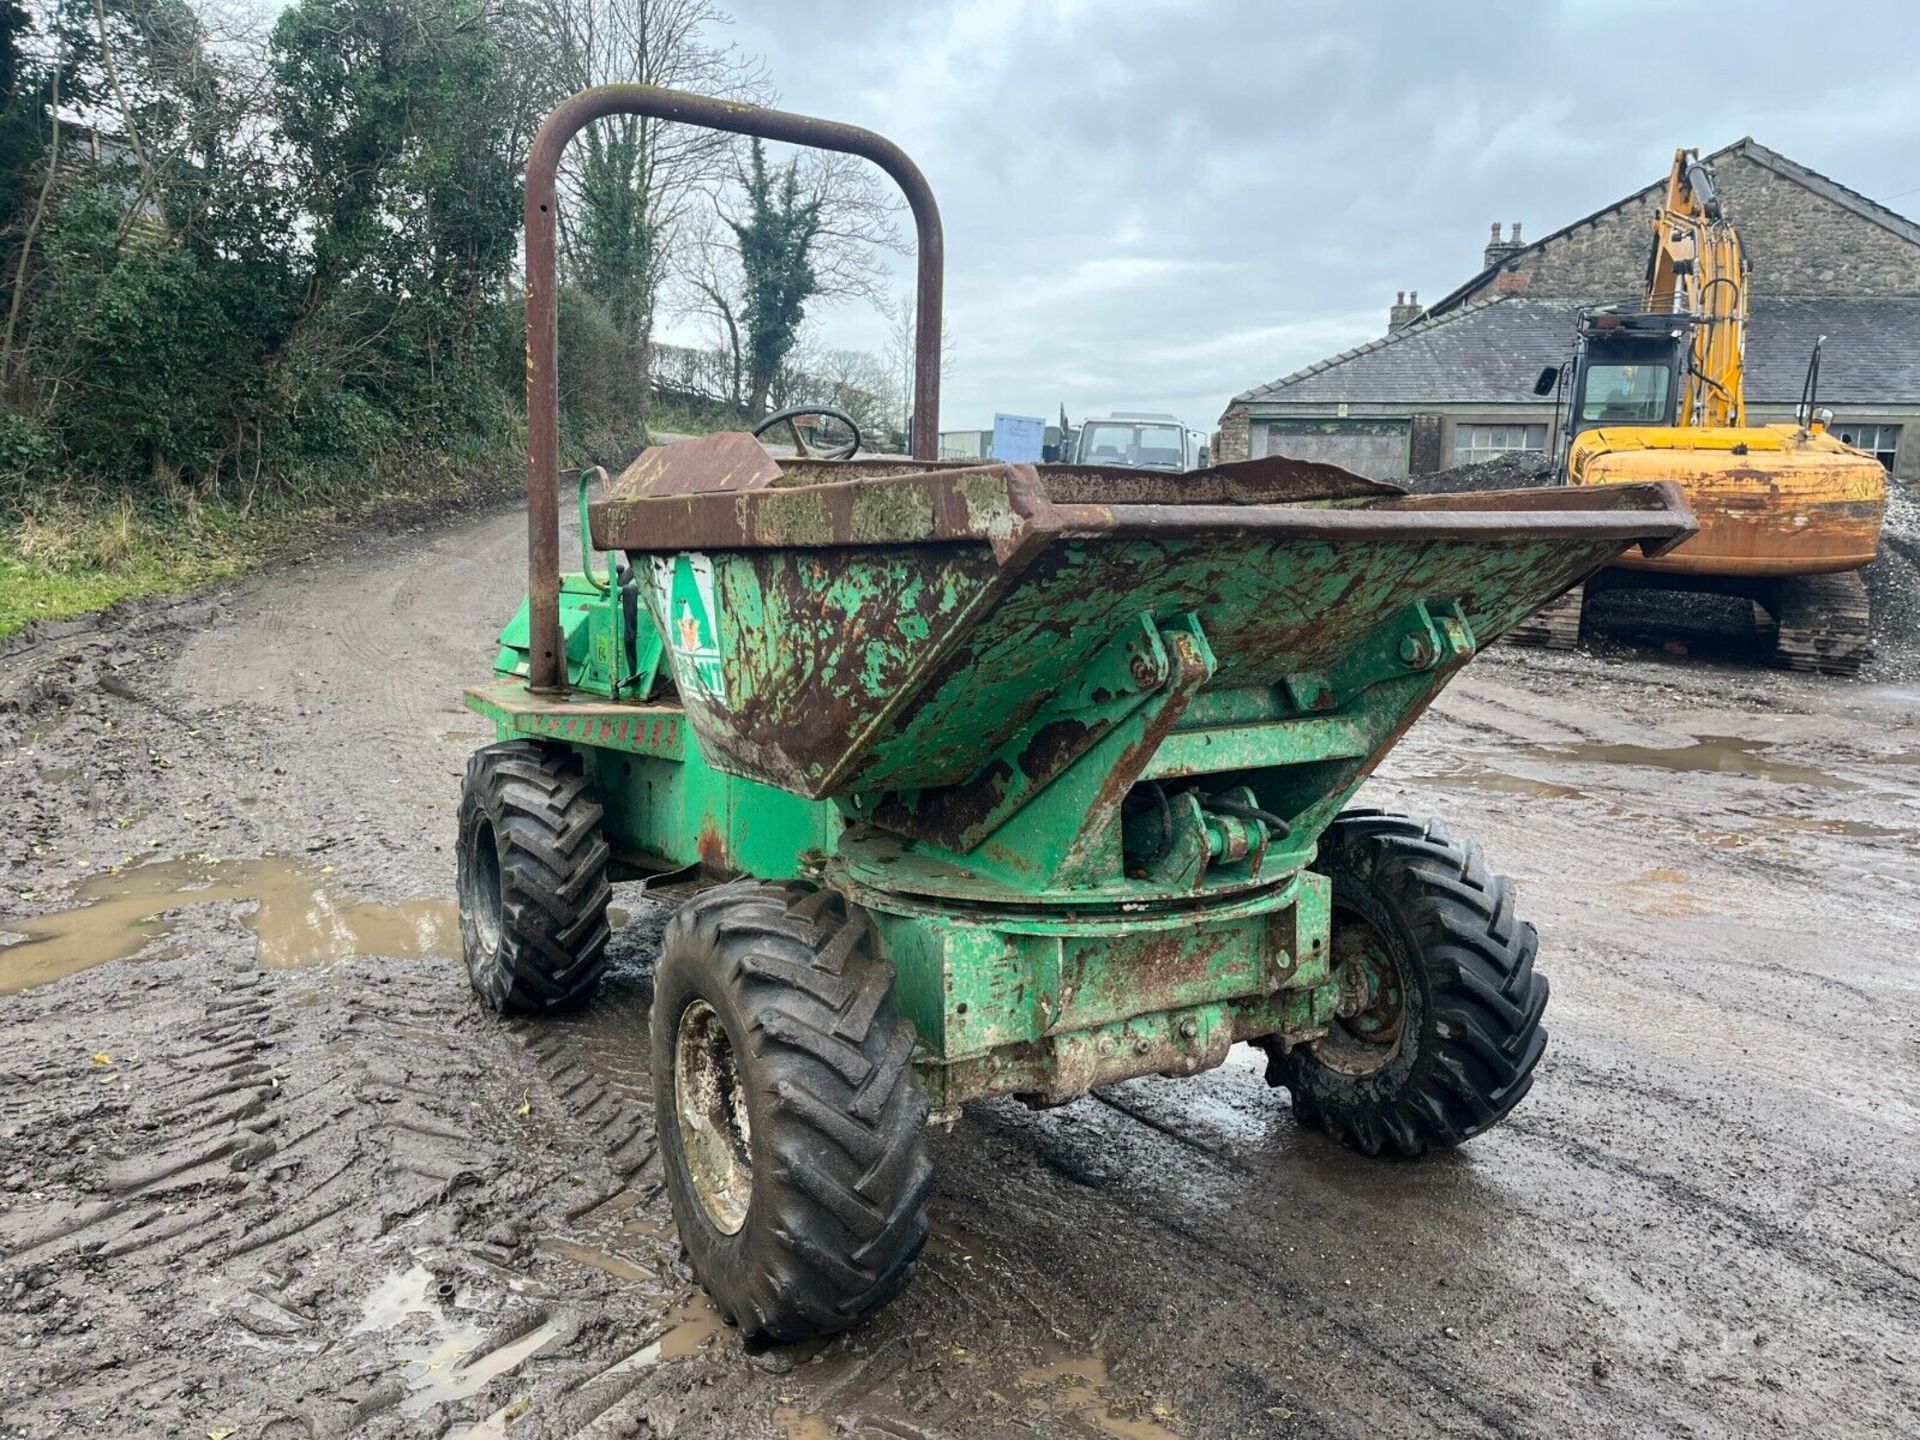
[[269, 1173]]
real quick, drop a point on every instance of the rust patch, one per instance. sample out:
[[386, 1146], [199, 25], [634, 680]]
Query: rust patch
[[1157, 966], [725, 461], [717, 502], [952, 812], [1270, 480], [713, 849], [1053, 747]]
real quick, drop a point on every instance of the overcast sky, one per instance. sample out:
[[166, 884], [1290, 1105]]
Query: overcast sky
[[1154, 205]]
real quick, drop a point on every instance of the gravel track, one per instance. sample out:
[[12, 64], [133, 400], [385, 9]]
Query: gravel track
[[341, 1200]]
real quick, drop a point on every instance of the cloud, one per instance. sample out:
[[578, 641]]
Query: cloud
[[1157, 205]]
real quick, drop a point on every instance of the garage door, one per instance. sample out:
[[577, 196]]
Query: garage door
[[1378, 451]]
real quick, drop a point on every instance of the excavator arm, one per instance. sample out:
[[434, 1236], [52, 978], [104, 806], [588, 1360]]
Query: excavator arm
[[1697, 270]]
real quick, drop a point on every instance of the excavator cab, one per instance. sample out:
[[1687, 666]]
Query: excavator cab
[[1628, 369]]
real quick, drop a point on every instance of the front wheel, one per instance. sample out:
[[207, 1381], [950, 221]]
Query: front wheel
[[1438, 1027], [788, 1116]]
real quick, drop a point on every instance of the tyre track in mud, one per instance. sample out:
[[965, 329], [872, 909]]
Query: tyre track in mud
[[1688, 1227], [226, 1169], [1226, 1247], [340, 1187]]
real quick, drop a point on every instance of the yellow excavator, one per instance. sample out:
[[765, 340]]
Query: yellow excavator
[[1789, 515]]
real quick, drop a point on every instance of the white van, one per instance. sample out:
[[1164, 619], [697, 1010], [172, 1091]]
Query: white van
[[1142, 441]]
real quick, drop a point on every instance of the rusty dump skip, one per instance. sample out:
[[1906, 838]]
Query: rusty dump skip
[[733, 461], [715, 464], [879, 625], [712, 493]]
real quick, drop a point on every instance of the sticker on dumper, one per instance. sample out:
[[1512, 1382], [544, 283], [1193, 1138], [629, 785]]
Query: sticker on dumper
[[693, 633]]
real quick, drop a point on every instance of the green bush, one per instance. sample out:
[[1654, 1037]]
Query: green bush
[[26, 456]]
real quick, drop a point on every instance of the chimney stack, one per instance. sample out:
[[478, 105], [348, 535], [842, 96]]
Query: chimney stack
[[1500, 251], [1405, 310]]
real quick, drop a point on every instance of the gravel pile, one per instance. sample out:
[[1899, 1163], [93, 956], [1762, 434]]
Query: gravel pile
[[1893, 582], [1518, 470]]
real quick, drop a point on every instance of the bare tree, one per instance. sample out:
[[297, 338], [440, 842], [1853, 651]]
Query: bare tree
[[636, 187], [902, 342], [858, 224], [856, 381], [711, 291]]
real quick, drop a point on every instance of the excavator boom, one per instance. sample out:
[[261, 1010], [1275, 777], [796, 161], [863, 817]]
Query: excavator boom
[[1698, 271]]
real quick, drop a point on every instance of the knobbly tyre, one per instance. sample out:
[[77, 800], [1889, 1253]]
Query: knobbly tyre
[[991, 779]]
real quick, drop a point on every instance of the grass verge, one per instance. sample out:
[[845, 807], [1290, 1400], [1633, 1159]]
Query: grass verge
[[71, 556]]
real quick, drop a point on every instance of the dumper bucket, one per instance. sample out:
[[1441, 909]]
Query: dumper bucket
[[841, 627]]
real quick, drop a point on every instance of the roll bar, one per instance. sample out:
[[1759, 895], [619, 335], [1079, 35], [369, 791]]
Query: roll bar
[[547, 673]]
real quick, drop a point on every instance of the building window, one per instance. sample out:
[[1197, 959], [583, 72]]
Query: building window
[[1879, 441], [1474, 443]]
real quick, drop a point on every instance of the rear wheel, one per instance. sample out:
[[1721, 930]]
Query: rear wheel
[[532, 878], [1438, 1029], [788, 1116]]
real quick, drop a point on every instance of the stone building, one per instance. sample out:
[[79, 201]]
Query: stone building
[[1452, 382]]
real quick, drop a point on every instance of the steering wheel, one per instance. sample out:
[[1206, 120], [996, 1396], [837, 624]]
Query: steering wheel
[[788, 416]]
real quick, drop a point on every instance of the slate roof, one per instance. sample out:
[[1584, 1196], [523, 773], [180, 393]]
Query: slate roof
[[1747, 146], [1872, 355], [1491, 351]]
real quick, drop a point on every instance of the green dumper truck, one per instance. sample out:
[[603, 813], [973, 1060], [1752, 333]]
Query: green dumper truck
[[991, 779]]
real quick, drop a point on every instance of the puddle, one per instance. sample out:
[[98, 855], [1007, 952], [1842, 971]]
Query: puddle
[[694, 1324], [656, 1229], [1657, 893], [690, 1327], [796, 1424], [1708, 754], [302, 918], [452, 1362], [1474, 777], [946, 1240], [452, 1370], [617, 1266], [407, 1292], [1851, 829], [1076, 1388]]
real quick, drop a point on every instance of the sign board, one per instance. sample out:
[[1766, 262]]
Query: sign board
[[693, 630], [1018, 438]]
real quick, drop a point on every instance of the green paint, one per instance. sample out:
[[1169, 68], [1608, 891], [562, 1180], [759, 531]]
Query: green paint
[[593, 628]]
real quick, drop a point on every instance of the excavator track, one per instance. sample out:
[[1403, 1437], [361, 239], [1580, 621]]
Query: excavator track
[[1555, 626], [1822, 623]]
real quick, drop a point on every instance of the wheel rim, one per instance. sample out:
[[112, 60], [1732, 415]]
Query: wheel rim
[[483, 903], [716, 1135], [1370, 1025]]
